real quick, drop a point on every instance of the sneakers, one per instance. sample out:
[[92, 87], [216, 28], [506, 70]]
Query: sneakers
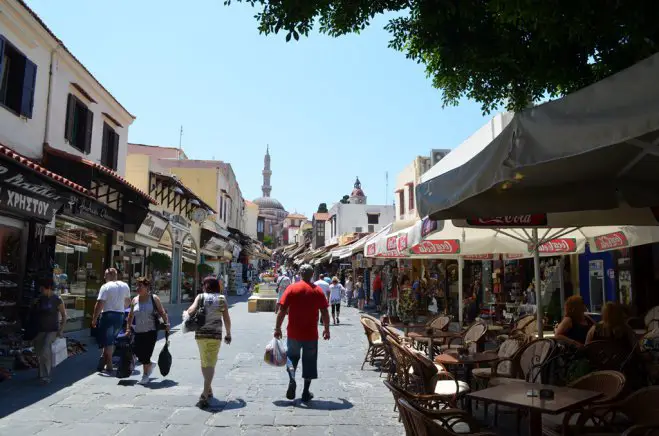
[[144, 380], [307, 396], [146, 376], [290, 393], [153, 367]]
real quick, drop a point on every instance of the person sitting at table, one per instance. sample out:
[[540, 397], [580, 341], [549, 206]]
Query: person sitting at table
[[575, 325], [612, 327]]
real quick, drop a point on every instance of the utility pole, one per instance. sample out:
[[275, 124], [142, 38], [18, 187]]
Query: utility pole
[[180, 144]]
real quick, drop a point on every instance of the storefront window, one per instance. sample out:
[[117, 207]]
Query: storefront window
[[80, 260], [188, 270], [160, 266], [10, 263]]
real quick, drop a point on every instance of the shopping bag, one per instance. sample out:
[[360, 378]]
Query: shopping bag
[[275, 353], [192, 323], [165, 358]]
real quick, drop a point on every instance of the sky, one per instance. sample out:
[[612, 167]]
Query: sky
[[329, 108]]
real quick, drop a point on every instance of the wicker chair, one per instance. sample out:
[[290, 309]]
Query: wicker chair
[[435, 423], [610, 384], [472, 336], [652, 319], [503, 367], [520, 328], [422, 401], [441, 323], [375, 351], [640, 409]]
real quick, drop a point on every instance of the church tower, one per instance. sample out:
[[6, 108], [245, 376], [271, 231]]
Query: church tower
[[357, 196], [267, 172]]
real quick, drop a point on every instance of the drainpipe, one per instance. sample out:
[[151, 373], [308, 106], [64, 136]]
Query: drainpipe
[[49, 96]]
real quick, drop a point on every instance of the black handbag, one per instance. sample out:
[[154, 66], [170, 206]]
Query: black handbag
[[165, 358], [198, 319], [160, 323]]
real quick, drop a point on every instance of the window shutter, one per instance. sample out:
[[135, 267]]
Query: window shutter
[[2, 53], [115, 150], [105, 146], [89, 125], [70, 114], [29, 83]]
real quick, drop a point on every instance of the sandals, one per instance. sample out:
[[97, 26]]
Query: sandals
[[203, 401]]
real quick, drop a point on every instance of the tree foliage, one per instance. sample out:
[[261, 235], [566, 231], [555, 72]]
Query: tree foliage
[[496, 52], [160, 262], [268, 241], [322, 208], [345, 199]]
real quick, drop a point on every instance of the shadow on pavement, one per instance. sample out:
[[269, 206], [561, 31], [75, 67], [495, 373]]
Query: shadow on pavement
[[161, 384], [237, 403], [316, 404]]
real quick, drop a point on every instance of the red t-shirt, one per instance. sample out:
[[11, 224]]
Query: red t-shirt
[[377, 284], [303, 302]]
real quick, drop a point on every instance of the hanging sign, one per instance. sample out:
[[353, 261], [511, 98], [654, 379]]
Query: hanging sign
[[93, 211], [479, 257], [531, 220], [27, 204], [371, 249], [402, 243], [392, 243], [611, 241], [428, 226], [559, 245], [439, 246], [153, 227]]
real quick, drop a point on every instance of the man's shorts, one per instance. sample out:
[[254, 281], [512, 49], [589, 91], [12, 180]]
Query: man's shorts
[[308, 350], [109, 328]]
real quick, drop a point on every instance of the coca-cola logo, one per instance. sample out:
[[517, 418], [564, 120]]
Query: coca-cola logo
[[479, 257], [391, 254], [531, 220], [370, 249], [611, 240], [559, 245], [402, 243], [444, 246], [513, 256], [391, 243]]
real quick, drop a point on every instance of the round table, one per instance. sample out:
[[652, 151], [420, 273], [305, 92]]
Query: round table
[[437, 334]]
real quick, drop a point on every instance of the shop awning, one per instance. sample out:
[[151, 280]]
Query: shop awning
[[596, 149], [213, 244]]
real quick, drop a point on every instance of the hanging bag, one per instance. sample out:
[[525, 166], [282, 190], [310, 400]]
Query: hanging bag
[[194, 322], [165, 357], [275, 353]]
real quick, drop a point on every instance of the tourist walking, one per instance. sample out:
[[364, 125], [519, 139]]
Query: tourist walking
[[361, 293], [145, 310], [337, 291], [283, 282], [209, 336], [113, 299], [377, 291], [349, 291], [323, 285], [50, 318], [301, 302]]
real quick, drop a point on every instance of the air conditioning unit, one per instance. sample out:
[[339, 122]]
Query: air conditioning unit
[[437, 154]]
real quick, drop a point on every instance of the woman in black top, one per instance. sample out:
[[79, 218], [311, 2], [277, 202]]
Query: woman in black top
[[575, 326], [47, 310]]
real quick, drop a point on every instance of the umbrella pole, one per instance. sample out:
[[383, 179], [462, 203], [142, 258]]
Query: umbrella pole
[[561, 281], [538, 293], [460, 292]]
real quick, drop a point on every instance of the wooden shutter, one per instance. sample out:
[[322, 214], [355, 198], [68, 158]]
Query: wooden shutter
[[29, 83], [115, 150], [89, 126], [105, 146], [70, 121]]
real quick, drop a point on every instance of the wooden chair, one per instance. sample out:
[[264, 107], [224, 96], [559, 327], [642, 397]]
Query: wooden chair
[[503, 367], [470, 337], [640, 409], [440, 323], [423, 401], [610, 384], [375, 351], [435, 423]]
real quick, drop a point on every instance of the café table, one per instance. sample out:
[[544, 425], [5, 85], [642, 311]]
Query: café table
[[468, 361], [516, 395], [431, 337], [407, 327]]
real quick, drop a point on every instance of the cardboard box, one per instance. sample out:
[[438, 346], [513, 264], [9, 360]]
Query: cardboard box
[[59, 351]]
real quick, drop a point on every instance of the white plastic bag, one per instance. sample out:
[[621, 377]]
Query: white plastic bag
[[275, 353], [186, 317]]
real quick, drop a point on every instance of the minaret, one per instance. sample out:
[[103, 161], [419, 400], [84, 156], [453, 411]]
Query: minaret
[[266, 188]]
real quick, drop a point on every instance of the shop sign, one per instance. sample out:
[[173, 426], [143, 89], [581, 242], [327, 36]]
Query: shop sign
[[27, 204], [19, 180], [391, 254], [153, 227], [479, 257], [530, 220], [392, 243], [402, 243], [559, 245], [611, 241], [215, 245], [428, 226], [513, 256], [370, 249], [440, 246], [94, 211]]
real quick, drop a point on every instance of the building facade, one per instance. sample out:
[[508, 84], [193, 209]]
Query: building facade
[[292, 225], [250, 219]]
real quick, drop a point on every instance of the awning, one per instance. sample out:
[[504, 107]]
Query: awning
[[213, 244], [185, 192], [216, 228], [596, 149]]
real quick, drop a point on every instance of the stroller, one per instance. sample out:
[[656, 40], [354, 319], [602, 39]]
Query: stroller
[[123, 356]]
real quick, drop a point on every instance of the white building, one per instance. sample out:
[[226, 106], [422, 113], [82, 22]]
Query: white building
[[356, 216], [292, 225]]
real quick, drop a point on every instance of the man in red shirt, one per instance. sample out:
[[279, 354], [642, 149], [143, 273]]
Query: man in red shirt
[[377, 291], [301, 302]]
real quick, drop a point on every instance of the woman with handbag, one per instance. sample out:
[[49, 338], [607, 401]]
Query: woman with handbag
[[48, 318], [211, 312], [143, 323]]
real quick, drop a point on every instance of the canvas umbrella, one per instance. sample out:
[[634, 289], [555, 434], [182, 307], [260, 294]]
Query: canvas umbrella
[[596, 149]]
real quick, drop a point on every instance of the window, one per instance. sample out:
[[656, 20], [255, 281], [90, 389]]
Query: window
[[358, 229], [259, 226], [221, 207], [401, 202], [18, 75], [320, 228], [110, 148], [410, 197], [79, 122], [371, 228], [373, 218]]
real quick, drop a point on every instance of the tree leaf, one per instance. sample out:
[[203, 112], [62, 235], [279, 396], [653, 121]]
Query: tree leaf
[[288, 37]]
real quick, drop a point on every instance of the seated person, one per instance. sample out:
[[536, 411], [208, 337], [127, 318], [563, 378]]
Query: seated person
[[613, 327], [575, 325]]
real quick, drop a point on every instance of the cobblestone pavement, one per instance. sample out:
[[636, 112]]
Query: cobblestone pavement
[[249, 394]]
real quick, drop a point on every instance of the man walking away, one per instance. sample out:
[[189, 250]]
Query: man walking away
[[301, 302], [113, 299], [283, 283], [323, 285]]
